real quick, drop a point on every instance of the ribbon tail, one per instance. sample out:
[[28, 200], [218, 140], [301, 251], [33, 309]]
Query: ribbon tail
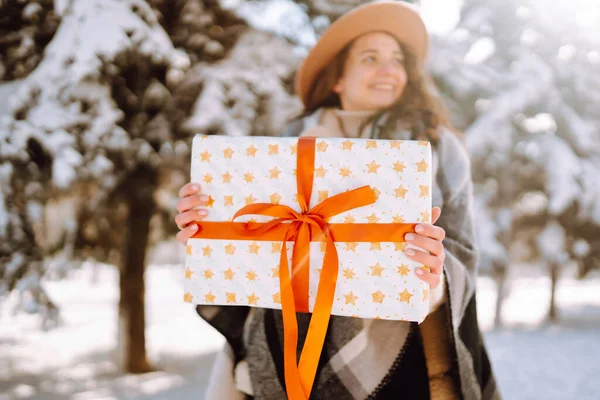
[[293, 384], [319, 321]]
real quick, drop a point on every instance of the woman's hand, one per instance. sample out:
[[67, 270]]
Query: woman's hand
[[429, 238], [190, 198]]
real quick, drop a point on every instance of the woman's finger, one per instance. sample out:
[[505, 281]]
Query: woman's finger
[[435, 214], [189, 189], [433, 246], [435, 263], [432, 279], [432, 231], [184, 219], [187, 233], [192, 201]]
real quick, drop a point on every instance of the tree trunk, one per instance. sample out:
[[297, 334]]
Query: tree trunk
[[138, 192], [554, 272], [500, 278]]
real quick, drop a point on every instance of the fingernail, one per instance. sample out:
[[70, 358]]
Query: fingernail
[[204, 197], [419, 271], [195, 187], [202, 212], [194, 227], [419, 228], [410, 252], [410, 237]]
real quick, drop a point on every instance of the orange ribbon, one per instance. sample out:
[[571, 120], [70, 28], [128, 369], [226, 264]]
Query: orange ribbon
[[302, 228]]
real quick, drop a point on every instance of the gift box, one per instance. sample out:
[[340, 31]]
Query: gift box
[[309, 225], [374, 278]]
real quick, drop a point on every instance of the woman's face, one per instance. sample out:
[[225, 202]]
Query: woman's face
[[374, 75]]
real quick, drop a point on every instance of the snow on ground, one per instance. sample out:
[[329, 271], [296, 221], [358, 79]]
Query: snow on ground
[[532, 360]]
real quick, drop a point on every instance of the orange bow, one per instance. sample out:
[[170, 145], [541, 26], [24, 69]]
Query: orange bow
[[302, 228]]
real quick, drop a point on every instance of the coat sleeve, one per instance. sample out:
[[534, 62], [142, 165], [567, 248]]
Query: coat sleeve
[[457, 219]]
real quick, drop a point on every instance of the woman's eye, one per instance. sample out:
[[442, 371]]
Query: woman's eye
[[399, 61], [369, 59]]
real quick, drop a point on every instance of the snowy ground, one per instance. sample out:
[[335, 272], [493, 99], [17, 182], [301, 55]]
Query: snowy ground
[[75, 361]]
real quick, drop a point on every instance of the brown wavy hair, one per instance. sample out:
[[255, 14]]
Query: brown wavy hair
[[420, 108]]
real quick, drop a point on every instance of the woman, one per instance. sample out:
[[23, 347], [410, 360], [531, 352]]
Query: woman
[[365, 78]]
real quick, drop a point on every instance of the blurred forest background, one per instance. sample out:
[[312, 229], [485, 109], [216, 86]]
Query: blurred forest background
[[99, 102]]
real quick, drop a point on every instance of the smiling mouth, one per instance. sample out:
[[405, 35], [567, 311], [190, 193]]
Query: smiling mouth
[[383, 86]]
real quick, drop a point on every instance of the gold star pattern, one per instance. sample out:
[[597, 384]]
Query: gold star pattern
[[205, 156], [401, 192], [323, 194], [399, 166], [376, 193], [349, 219], [229, 274], [253, 248], [275, 272], [188, 250], [398, 219], [294, 148], [188, 297], [422, 166], [188, 273], [231, 298], [210, 298], [424, 191], [251, 151], [273, 149], [405, 296], [208, 274], [372, 219], [395, 144], [373, 166], [423, 143], [249, 177], [210, 202], [253, 299], [230, 249], [345, 172], [376, 270], [228, 200], [228, 152], [226, 177], [274, 173], [425, 216], [371, 144], [249, 200], [275, 247], [347, 145], [251, 275], [320, 172], [399, 246], [375, 246], [349, 273], [351, 246], [275, 198], [322, 246], [351, 298], [403, 270], [277, 298], [206, 251], [378, 297], [208, 178], [425, 294], [322, 147]]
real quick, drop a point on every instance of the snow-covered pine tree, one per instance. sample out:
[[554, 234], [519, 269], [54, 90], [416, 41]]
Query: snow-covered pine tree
[[520, 78], [102, 128]]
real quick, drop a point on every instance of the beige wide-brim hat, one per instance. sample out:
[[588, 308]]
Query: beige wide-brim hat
[[399, 19]]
